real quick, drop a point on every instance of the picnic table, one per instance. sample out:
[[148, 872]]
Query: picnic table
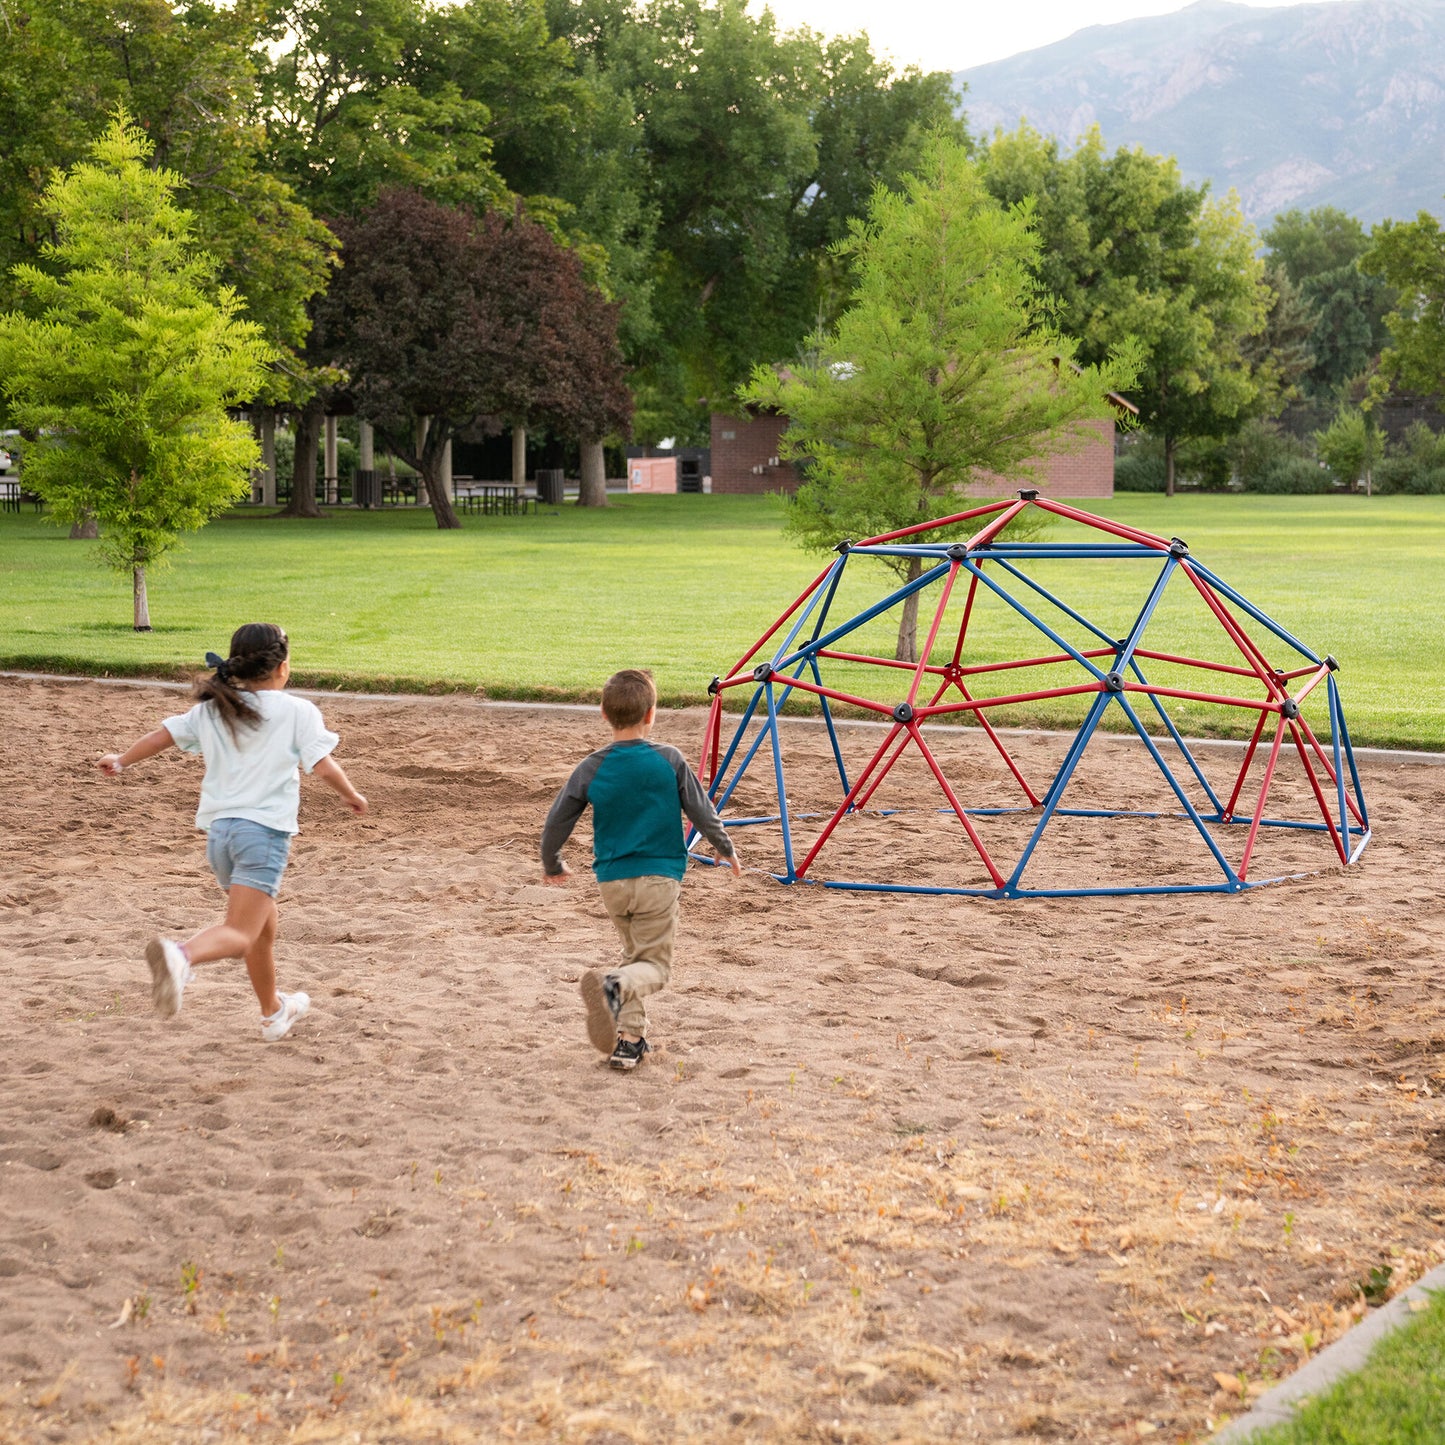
[[490, 497]]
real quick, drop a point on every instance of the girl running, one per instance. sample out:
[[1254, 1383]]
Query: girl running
[[253, 736]]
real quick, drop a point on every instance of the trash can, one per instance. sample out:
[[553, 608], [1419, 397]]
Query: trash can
[[366, 488], [550, 481]]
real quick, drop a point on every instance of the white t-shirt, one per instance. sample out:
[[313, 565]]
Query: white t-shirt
[[253, 775]]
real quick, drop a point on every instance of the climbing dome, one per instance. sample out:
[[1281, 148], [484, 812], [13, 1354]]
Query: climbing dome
[[1147, 640]]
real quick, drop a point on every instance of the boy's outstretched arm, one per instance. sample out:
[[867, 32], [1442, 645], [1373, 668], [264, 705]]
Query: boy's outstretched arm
[[334, 776], [562, 818], [699, 809], [112, 764]]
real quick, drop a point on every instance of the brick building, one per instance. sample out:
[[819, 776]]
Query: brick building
[[745, 459]]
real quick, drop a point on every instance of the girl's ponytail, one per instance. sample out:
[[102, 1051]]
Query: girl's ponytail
[[257, 650]]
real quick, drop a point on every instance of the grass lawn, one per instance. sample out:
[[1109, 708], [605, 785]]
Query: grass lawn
[[1399, 1396], [546, 606]]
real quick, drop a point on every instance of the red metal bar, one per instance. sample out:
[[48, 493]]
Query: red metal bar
[[1263, 794], [967, 613], [975, 705], [847, 801], [927, 650], [1329, 770], [1251, 654], [1092, 519], [1244, 771], [1195, 662], [1319, 796], [986, 534], [1267, 704], [1299, 672], [982, 720], [898, 753], [1312, 684], [710, 741], [874, 661], [802, 597], [980, 667], [934, 525], [836, 696], [957, 806]]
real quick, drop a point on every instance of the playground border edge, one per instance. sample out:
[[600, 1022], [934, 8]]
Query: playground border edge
[[1385, 755]]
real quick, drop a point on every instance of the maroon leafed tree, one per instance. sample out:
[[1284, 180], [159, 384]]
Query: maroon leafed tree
[[472, 323]]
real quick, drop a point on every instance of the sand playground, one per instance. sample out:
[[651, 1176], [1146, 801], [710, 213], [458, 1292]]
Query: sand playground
[[901, 1168]]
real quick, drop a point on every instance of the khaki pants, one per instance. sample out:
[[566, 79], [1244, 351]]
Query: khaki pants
[[644, 912]]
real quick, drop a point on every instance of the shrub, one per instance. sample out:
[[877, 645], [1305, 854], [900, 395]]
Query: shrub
[[1139, 470], [1296, 475]]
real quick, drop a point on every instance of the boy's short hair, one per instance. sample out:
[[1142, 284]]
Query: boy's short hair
[[627, 696]]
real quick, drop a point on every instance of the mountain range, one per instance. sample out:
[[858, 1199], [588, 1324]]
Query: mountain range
[[1339, 104]]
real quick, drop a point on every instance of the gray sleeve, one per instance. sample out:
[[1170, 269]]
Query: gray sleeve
[[698, 806], [563, 815]]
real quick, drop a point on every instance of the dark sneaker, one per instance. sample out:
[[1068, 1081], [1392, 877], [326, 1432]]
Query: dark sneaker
[[602, 995], [628, 1053]]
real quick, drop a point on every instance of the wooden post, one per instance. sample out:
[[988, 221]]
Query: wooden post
[[268, 456], [519, 457], [448, 490], [330, 483], [423, 425]]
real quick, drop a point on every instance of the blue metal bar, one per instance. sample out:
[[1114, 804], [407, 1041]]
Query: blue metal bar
[[828, 600], [1037, 621], [832, 731], [1061, 779], [738, 736], [778, 775], [1354, 772], [1229, 873], [1225, 589], [1062, 606], [904, 592], [803, 616], [1334, 703]]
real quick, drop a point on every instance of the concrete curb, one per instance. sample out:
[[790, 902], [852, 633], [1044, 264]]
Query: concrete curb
[[1374, 755], [1347, 1355]]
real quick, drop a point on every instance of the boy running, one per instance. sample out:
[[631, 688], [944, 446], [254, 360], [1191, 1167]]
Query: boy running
[[638, 791]]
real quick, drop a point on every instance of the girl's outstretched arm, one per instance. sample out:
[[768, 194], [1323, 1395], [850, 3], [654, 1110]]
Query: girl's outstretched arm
[[137, 752], [330, 772]]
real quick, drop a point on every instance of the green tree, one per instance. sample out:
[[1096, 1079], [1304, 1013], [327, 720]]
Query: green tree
[[756, 146], [121, 375], [184, 71], [943, 369], [1132, 252], [1320, 251], [1410, 256], [1348, 447]]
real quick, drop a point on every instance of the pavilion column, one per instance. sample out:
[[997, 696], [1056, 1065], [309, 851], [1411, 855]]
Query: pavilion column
[[268, 456], [519, 457], [423, 425], [330, 484], [366, 445]]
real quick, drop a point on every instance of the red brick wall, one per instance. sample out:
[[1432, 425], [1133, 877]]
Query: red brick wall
[[743, 448], [742, 451]]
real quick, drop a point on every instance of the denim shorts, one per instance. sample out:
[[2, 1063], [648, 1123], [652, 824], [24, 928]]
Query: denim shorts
[[248, 853]]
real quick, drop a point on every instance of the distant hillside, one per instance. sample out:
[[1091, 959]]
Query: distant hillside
[[1335, 104]]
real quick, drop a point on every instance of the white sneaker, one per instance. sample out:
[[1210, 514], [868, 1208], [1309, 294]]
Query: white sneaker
[[293, 1005], [170, 973]]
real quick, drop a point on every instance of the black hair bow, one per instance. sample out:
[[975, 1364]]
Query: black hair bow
[[221, 666]]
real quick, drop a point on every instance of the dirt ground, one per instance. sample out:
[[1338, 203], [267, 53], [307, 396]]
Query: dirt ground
[[901, 1167]]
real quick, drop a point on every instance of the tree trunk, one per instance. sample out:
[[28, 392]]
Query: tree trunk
[[303, 476], [908, 622], [434, 459], [142, 602], [1168, 466], [87, 529], [593, 491]]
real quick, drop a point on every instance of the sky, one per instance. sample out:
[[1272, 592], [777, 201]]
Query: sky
[[948, 35]]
